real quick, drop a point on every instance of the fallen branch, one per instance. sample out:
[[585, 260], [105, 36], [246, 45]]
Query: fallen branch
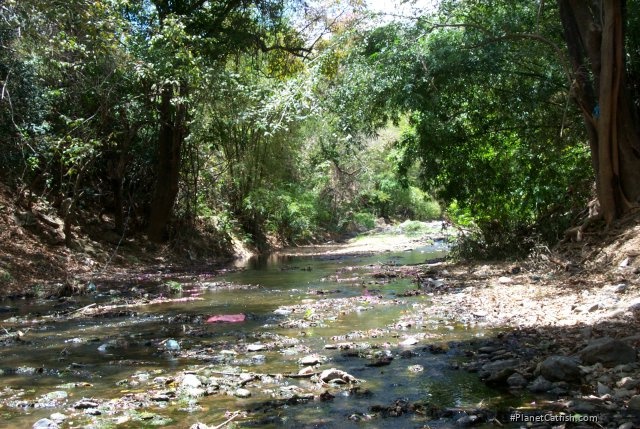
[[106, 308], [234, 416], [84, 308]]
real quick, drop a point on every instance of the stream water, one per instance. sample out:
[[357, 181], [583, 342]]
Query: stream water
[[62, 358]]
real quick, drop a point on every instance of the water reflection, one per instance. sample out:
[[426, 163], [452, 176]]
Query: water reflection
[[103, 352]]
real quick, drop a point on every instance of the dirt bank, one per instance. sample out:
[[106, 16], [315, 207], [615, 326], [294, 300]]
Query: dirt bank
[[565, 323]]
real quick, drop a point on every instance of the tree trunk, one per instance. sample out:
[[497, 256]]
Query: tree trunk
[[171, 137], [594, 32], [118, 216]]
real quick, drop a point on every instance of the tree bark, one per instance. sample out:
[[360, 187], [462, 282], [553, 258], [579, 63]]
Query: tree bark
[[594, 32], [170, 140]]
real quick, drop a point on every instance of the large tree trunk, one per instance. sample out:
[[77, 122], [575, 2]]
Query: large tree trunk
[[170, 140], [594, 32]]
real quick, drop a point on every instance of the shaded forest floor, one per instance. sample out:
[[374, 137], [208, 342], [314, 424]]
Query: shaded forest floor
[[34, 259]]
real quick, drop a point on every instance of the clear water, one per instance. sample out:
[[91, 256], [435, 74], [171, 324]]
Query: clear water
[[69, 351]]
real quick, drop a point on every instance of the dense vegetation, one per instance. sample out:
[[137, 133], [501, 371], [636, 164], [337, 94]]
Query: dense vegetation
[[274, 120]]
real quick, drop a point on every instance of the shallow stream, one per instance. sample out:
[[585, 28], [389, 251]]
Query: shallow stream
[[56, 357]]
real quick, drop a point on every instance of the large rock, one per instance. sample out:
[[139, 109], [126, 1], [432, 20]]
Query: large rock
[[309, 360], [634, 403], [540, 385], [500, 365], [190, 381], [45, 424], [498, 372], [560, 368], [256, 347], [609, 352], [334, 375], [242, 393], [516, 381]]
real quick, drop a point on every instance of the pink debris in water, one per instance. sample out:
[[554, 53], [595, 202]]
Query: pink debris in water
[[229, 318]]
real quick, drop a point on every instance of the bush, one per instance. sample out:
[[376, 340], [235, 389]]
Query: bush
[[413, 228], [289, 214], [364, 220]]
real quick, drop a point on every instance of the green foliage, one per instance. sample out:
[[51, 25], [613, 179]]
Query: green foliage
[[491, 125], [364, 220], [414, 228], [173, 287], [5, 276], [288, 214], [467, 109]]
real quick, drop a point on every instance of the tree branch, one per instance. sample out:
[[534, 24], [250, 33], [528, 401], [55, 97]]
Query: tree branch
[[293, 50]]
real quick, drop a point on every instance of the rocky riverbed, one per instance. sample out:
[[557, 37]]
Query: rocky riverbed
[[338, 338], [569, 338]]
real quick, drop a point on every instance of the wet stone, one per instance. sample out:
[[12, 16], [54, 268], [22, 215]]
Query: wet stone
[[308, 370], [380, 361], [360, 417], [195, 392], [246, 377], [162, 380], [58, 417], [634, 403], [310, 360], [161, 397], [407, 354], [256, 347], [499, 371], [141, 376], [560, 368], [45, 423], [55, 396], [242, 393], [411, 341], [500, 365], [602, 389], [467, 421], [258, 359], [334, 375], [27, 370], [583, 407], [622, 393], [540, 385], [190, 381], [628, 383], [516, 381], [84, 404], [609, 352], [172, 345]]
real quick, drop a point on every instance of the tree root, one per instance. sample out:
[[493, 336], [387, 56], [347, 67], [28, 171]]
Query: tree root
[[576, 233]]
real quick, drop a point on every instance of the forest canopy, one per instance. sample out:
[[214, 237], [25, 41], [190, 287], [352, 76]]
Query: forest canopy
[[289, 121]]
